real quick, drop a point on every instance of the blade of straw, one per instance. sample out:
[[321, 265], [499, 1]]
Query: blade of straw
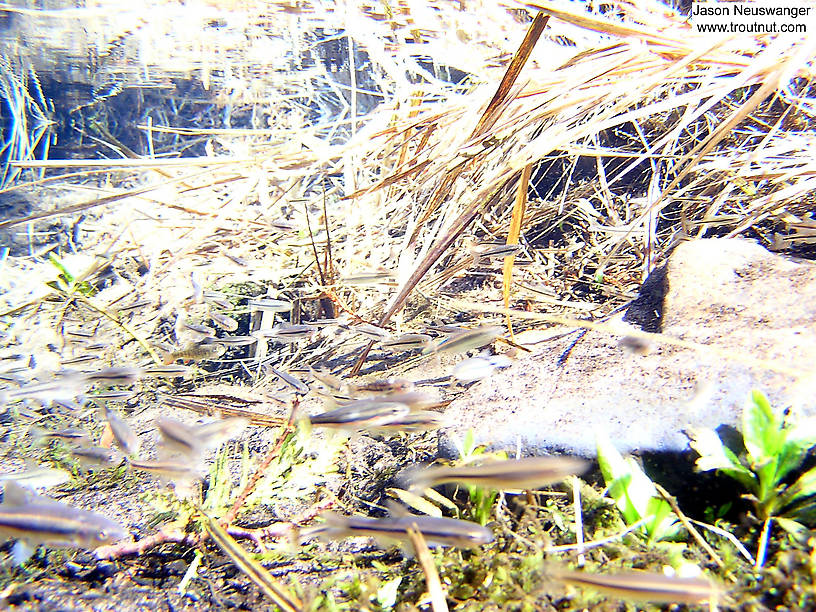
[[435, 591], [254, 570], [513, 234]]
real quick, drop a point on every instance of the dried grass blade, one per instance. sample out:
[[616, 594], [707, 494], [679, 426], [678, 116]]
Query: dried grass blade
[[513, 237], [435, 591], [579, 18], [490, 115], [254, 570]]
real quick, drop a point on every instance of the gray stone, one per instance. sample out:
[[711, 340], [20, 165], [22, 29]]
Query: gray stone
[[751, 316]]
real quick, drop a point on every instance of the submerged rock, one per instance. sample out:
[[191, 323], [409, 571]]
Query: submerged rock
[[746, 319]]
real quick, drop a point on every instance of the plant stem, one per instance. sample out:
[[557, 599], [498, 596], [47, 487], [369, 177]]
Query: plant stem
[[763, 543]]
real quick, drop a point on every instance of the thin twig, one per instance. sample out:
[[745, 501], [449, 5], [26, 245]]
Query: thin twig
[[270, 456], [687, 524], [426, 562]]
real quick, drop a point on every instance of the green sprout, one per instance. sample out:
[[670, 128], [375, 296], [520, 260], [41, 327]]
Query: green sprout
[[635, 495], [67, 282], [481, 499], [773, 449]]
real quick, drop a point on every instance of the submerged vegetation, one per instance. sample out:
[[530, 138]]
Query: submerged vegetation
[[336, 241]]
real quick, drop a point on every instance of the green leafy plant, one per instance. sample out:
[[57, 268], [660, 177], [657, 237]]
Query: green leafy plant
[[634, 493], [773, 449], [481, 498], [68, 282]]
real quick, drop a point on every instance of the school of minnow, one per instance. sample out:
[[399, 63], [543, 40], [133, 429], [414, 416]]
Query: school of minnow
[[389, 406]]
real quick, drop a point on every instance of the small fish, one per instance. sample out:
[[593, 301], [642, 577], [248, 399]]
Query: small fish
[[380, 277], [270, 305], [125, 437], [214, 433], [192, 440], [287, 332], [168, 470], [383, 385], [297, 385], [178, 436], [422, 420], [282, 226], [36, 520], [237, 340], [64, 388], [406, 342], [645, 587], [488, 250], [74, 435], [224, 322], [216, 298], [37, 476], [415, 400], [193, 330], [477, 368], [436, 531], [466, 340], [530, 473], [196, 351], [101, 398], [114, 376], [93, 457], [330, 381], [370, 331], [360, 414], [169, 371]]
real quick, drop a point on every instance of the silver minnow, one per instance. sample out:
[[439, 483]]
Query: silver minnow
[[126, 438], [34, 520], [530, 473], [37, 476], [361, 414], [466, 340], [168, 470], [646, 587], [436, 531], [270, 305], [406, 342]]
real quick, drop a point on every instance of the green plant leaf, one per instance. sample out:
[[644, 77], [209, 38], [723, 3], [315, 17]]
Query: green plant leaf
[[634, 493], [663, 524], [790, 457], [469, 443], [804, 511], [714, 455], [67, 277], [805, 486], [611, 462], [762, 430], [619, 491]]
